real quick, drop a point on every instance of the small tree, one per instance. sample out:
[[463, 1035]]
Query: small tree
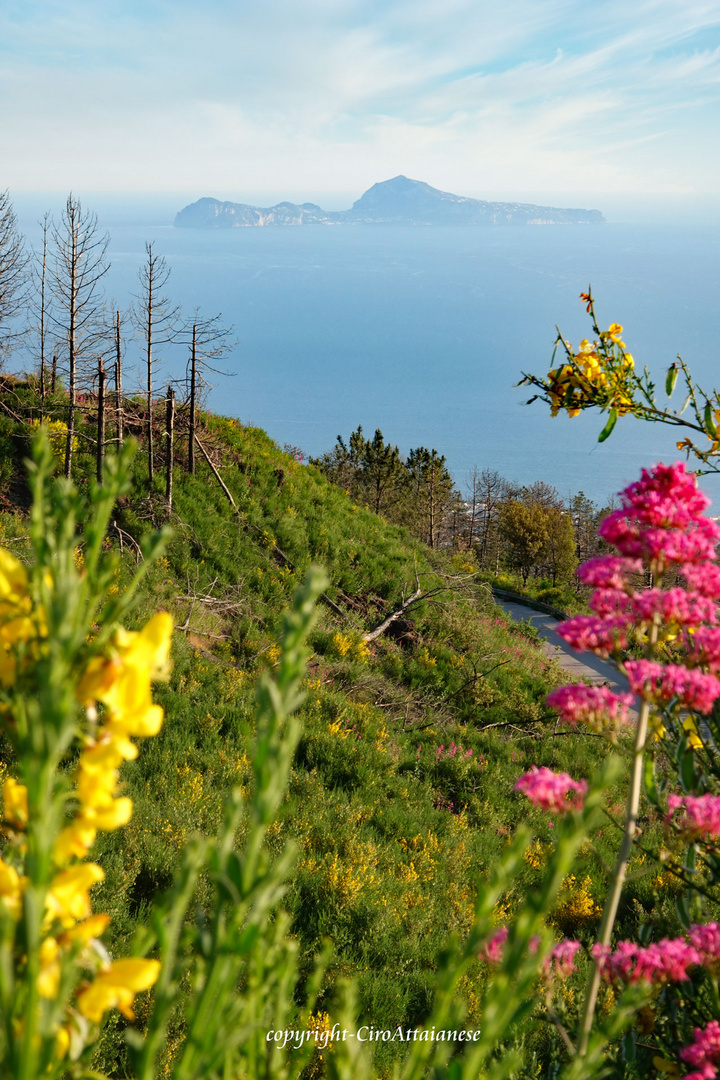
[[343, 464], [382, 474], [156, 321], [79, 264], [523, 530], [13, 275], [557, 555], [431, 490]]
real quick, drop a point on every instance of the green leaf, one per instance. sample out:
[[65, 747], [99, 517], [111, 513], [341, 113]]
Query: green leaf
[[612, 420], [685, 404], [629, 1050], [670, 379], [710, 421], [649, 780], [686, 766], [682, 906]]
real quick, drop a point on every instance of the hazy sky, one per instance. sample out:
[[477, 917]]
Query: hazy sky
[[533, 99]]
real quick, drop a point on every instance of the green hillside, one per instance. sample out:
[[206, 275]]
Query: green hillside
[[401, 795]]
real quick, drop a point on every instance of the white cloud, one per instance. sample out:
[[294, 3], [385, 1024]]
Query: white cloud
[[340, 93]]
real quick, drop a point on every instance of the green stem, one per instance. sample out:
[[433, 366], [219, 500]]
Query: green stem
[[616, 886]]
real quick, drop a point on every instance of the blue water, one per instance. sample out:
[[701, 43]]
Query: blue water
[[423, 332]]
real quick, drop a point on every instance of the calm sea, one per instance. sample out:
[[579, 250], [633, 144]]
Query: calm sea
[[423, 332]]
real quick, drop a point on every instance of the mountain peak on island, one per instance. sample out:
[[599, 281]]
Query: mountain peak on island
[[399, 201]]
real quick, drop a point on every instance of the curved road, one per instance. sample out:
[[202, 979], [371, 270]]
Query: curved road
[[579, 666]]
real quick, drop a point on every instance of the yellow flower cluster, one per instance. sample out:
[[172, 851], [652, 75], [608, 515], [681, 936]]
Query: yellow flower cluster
[[592, 369], [57, 435], [342, 645], [16, 615], [121, 682], [577, 907]]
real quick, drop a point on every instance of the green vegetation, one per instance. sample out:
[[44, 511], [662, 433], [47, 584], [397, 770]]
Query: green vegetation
[[401, 794], [528, 532]]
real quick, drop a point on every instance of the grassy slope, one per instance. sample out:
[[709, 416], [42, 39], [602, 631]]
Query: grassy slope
[[401, 794]]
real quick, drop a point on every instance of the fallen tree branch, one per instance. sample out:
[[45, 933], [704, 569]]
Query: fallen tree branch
[[371, 635], [121, 533], [216, 474], [417, 597]]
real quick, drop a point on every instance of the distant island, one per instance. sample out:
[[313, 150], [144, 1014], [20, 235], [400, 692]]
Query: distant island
[[399, 201]]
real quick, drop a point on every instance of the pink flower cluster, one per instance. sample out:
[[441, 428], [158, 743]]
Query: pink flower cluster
[[559, 963], [666, 497], [556, 792], [660, 524], [661, 520], [494, 948], [662, 683], [660, 547], [608, 571], [602, 636], [674, 606], [703, 1053], [596, 706], [706, 941], [661, 962], [698, 817], [705, 646], [610, 602]]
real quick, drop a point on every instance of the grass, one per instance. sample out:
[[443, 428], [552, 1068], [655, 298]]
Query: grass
[[401, 795]]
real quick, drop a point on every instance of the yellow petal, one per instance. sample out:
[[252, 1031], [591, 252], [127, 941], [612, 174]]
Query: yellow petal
[[67, 898], [15, 804], [115, 816], [74, 842], [134, 973], [87, 930]]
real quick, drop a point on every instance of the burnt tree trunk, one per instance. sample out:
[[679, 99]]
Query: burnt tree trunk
[[170, 437], [101, 422], [193, 394], [118, 381]]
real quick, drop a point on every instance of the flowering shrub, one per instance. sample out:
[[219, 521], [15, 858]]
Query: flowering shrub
[[670, 983], [57, 435], [556, 792], [601, 374]]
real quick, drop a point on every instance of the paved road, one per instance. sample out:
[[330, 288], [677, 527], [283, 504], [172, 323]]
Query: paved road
[[579, 666]]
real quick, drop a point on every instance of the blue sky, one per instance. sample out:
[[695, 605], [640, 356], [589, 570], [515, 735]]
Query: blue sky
[[599, 103]]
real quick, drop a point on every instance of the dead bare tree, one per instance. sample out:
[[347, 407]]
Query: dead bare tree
[[41, 307], [14, 264], [79, 265], [156, 321], [208, 340], [100, 444], [119, 408], [111, 353], [170, 444]]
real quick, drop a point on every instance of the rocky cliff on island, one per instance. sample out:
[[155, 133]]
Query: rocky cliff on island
[[393, 202]]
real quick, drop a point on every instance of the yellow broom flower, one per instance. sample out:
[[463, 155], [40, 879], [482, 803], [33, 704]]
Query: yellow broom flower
[[68, 898], [116, 988]]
